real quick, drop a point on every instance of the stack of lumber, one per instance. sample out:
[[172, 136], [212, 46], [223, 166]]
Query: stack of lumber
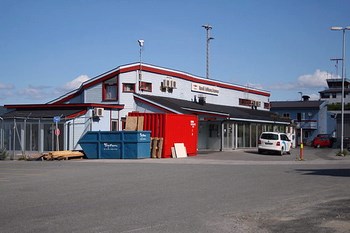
[[156, 147], [134, 123], [66, 154]]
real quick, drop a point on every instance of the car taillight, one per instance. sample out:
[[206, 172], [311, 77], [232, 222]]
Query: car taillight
[[259, 141], [278, 143]]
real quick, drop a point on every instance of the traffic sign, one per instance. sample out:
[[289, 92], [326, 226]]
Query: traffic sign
[[56, 119], [57, 132]]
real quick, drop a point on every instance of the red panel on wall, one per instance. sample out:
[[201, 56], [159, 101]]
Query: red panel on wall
[[173, 128]]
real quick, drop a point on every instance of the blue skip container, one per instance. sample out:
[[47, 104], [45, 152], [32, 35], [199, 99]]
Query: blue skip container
[[116, 144]]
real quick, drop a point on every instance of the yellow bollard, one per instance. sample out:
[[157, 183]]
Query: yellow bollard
[[301, 151]]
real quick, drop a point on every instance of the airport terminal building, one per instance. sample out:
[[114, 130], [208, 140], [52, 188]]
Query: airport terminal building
[[230, 116]]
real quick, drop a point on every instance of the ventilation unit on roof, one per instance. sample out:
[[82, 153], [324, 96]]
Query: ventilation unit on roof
[[98, 112], [172, 84], [201, 99], [168, 84]]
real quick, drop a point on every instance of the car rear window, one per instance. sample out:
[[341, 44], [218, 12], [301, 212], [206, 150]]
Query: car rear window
[[270, 136]]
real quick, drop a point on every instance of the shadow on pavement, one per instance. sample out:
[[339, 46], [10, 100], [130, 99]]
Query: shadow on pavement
[[326, 172], [328, 217], [262, 154]]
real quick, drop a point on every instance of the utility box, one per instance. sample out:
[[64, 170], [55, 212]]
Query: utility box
[[116, 144], [173, 128]]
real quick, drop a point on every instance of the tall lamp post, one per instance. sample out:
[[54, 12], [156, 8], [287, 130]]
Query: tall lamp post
[[208, 28], [343, 29], [336, 64], [141, 43]]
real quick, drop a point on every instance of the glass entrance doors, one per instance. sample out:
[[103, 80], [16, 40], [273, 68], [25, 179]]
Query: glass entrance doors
[[228, 136]]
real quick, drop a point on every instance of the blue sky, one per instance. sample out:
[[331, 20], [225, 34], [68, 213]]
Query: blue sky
[[284, 46]]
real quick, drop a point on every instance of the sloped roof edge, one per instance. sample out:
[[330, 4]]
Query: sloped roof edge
[[228, 112], [154, 69]]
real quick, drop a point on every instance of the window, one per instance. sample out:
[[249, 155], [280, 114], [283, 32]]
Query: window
[[299, 116], [214, 131], [110, 90], [286, 115], [128, 87], [245, 102], [325, 95], [144, 86], [114, 125], [269, 136], [267, 105], [334, 95]]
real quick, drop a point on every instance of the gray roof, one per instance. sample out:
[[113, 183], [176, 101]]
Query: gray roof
[[335, 90], [190, 107], [3, 110], [40, 113], [296, 104]]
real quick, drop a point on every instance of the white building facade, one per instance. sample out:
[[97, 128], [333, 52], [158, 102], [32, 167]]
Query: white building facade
[[230, 115]]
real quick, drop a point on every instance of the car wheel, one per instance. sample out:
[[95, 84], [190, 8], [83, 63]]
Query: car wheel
[[281, 153], [318, 146], [259, 151]]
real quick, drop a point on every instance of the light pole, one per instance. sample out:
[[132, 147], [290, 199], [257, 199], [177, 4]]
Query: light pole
[[342, 87], [141, 43], [336, 64], [208, 28], [1, 134]]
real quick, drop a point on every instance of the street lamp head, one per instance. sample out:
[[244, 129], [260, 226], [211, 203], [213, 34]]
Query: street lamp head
[[207, 26], [336, 59], [337, 28], [141, 42]]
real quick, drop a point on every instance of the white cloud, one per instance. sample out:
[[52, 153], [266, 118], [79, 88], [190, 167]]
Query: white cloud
[[75, 83], [6, 86], [314, 96], [306, 81], [7, 90], [318, 79], [38, 93], [255, 85], [35, 92]]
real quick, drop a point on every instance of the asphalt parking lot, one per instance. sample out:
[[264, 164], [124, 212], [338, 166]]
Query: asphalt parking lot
[[236, 191], [310, 154]]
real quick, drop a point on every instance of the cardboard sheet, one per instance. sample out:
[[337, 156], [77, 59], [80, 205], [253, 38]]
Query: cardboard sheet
[[180, 150]]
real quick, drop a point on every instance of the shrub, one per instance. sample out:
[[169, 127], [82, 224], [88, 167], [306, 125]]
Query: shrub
[[3, 154], [342, 153]]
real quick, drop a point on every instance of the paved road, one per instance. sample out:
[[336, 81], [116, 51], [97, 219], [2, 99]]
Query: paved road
[[237, 191]]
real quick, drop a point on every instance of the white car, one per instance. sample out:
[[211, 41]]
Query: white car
[[274, 142]]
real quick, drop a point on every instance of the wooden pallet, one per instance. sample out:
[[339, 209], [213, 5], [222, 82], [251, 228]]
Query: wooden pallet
[[63, 155], [156, 147]]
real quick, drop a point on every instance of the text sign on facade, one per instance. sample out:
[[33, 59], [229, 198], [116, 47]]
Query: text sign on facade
[[202, 88]]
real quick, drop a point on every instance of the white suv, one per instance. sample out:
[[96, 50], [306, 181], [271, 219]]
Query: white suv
[[274, 142]]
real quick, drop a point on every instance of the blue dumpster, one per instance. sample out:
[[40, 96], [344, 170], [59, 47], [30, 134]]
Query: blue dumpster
[[116, 144]]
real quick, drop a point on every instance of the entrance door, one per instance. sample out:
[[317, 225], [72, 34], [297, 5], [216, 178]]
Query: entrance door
[[227, 139]]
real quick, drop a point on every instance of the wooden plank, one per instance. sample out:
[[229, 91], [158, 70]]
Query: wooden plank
[[154, 147], [160, 148], [140, 122], [131, 123], [173, 152], [52, 155]]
